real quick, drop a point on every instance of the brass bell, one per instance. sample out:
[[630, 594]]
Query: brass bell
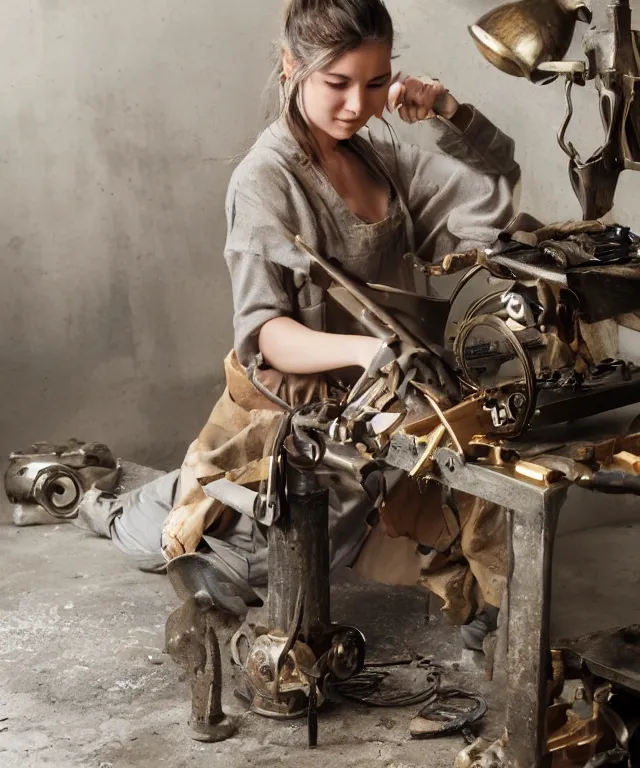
[[518, 37]]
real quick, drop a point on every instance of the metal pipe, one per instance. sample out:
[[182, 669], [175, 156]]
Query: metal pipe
[[350, 285], [299, 554]]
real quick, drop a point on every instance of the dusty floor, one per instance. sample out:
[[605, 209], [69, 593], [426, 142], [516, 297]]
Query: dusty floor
[[84, 682]]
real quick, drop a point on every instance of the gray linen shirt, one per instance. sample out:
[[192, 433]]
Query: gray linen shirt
[[440, 202]]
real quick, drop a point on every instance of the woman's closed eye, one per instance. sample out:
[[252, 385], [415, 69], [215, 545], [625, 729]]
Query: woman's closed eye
[[342, 86]]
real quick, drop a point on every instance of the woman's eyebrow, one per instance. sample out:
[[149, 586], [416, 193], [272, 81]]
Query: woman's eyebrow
[[347, 79]]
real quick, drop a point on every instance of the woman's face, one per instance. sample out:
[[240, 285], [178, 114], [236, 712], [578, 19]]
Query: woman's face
[[339, 100]]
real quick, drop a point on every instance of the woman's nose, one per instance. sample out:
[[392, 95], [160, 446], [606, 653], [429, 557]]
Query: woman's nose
[[354, 101]]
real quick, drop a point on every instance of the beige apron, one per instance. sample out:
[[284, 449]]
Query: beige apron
[[472, 573]]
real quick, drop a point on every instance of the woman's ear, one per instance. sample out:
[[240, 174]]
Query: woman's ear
[[288, 62]]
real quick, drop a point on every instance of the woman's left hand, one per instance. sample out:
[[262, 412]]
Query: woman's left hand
[[421, 99]]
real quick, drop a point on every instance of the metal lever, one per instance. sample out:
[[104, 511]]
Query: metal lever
[[233, 495]]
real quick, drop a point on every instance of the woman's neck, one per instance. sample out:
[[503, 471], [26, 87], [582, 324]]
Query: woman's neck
[[327, 146]]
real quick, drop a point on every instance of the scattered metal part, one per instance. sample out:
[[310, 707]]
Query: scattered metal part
[[628, 461], [614, 481], [557, 675], [491, 451], [356, 405], [365, 688], [537, 473], [431, 442], [612, 654], [613, 756], [368, 686], [572, 470], [252, 374], [606, 707], [385, 423], [441, 416], [507, 266], [603, 450], [394, 662], [581, 724], [345, 656], [53, 486], [517, 308], [449, 264], [482, 753], [443, 716], [192, 643], [56, 477]]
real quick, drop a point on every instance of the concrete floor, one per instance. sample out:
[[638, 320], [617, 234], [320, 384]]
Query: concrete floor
[[84, 682]]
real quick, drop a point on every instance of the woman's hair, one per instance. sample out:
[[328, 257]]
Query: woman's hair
[[317, 32]]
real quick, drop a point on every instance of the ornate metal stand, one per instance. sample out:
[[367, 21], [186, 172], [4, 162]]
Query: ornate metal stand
[[286, 668]]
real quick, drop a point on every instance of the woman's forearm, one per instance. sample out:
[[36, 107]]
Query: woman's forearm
[[290, 347]]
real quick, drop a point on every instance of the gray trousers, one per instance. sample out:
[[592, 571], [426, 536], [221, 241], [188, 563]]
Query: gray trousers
[[135, 519]]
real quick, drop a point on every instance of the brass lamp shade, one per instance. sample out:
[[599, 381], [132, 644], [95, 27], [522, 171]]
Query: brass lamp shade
[[518, 37]]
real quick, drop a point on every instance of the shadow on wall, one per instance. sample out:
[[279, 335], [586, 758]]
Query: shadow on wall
[[174, 404], [585, 509], [154, 428]]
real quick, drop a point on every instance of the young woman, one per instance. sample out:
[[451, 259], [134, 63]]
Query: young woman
[[365, 202]]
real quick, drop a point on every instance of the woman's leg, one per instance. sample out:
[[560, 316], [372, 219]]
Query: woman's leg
[[133, 520]]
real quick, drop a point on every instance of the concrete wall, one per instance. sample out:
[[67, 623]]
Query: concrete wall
[[118, 121]]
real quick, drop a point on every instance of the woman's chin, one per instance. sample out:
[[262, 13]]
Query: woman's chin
[[345, 129]]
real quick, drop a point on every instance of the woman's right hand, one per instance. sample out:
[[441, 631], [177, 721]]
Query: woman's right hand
[[183, 528], [366, 349], [421, 98]]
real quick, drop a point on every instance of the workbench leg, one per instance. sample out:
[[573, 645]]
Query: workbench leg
[[529, 603]]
